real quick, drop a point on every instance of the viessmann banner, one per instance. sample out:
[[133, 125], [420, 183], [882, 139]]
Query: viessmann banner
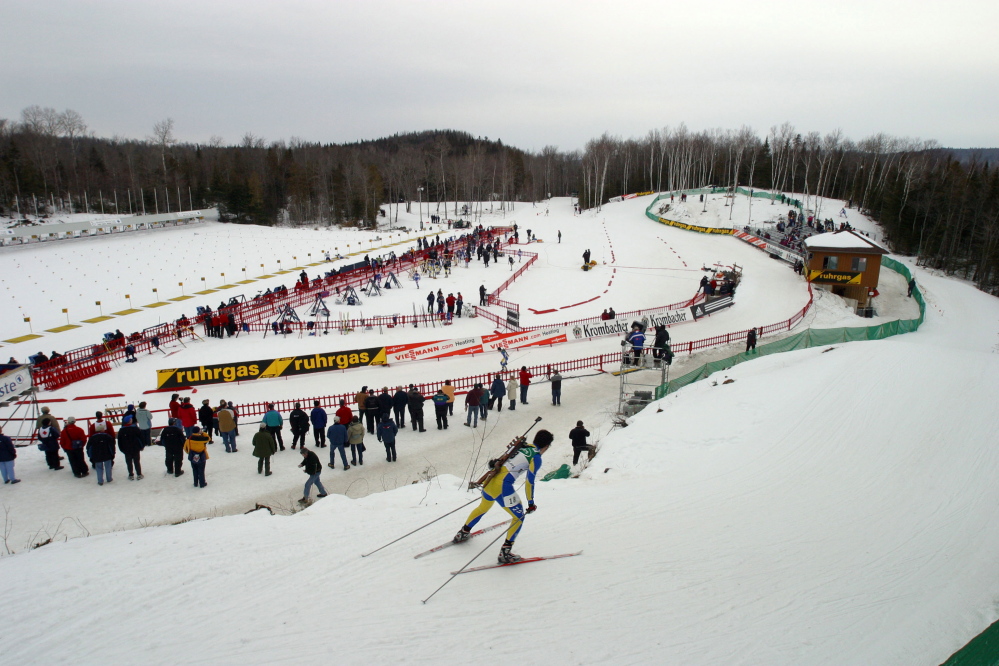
[[275, 367]]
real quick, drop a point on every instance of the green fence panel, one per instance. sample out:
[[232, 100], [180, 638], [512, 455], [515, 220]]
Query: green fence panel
[[761, 194], [811, 337]]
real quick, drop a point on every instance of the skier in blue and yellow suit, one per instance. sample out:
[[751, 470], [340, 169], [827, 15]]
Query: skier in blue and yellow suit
[[500, 490]]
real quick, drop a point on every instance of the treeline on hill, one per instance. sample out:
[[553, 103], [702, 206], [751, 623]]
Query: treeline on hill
[[940, 204]]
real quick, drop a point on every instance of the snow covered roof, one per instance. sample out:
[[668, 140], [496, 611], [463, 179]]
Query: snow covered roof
[[845, 239]]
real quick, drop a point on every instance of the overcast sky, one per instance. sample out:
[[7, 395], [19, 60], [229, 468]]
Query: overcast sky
[[530, 73]]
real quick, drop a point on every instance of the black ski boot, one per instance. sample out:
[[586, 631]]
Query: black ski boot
[[507, 557], [463, 535]]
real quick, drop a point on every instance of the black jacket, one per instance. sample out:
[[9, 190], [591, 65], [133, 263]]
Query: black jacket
[[100, 447], [400, 399], [172, 437], [416, 401], [130, 439], [578, 436], [311, 463], [385, 403], [662, 337], [372, 404], [205, 415], [298, 420]]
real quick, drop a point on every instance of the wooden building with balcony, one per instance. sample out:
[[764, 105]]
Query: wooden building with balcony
[[846, 263]]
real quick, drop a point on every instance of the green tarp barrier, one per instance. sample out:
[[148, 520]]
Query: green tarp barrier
[[756, 194], [811, 337], [983, 650]]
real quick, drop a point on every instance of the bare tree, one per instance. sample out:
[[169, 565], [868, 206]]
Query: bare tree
[[164, 138]]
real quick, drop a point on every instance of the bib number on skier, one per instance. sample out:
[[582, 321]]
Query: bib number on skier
[[511, 500]]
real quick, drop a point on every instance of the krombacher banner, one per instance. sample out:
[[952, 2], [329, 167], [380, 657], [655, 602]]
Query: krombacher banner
[[275, 367]]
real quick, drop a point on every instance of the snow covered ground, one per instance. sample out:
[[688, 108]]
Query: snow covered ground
[[831, 505]]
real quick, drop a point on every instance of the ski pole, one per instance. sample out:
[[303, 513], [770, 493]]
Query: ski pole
[[464, 567], [420, 528]]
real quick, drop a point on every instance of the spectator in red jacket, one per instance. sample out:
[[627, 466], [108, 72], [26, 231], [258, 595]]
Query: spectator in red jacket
[[344, 414], [525, 381], [175, 406], [72, 440], [92, 428], [188, 417], [473, 401]]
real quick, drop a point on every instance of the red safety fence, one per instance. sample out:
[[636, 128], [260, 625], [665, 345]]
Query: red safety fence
[[334, 325], [462, 384], [531, 258], [496, 319], [77, 364], [493, 300], [740, 336]]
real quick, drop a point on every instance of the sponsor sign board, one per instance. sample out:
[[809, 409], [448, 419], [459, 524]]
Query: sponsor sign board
[[694, 227], [15, 381], [265, 369], [834, 277], [619, 326]]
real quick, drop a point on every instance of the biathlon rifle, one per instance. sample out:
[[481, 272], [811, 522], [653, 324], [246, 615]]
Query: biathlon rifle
[[496, 464]]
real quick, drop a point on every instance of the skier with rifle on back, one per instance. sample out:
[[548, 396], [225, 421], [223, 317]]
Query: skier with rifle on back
[[498, 486]]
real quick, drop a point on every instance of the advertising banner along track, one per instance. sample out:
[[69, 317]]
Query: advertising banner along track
[[417, 351], [275, 367]]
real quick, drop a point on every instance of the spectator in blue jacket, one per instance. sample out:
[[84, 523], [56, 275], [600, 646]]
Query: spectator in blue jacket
[[274, 422], [387, 431], [337, 436], [318, 418], [497, 391], [636, 338]]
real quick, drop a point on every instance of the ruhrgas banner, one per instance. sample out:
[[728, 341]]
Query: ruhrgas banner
[[275, 367]]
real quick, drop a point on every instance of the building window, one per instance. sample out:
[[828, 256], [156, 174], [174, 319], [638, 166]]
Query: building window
[[830, 263], [859, 264]]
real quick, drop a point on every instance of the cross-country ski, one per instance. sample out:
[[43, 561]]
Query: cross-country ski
[[526, 560], [441, 547]]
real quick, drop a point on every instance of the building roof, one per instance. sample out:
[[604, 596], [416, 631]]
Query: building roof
[[845, 239]]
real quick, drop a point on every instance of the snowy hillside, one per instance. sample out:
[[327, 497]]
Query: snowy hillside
[[826, 506]]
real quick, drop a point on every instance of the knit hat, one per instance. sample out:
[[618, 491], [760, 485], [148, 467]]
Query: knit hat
[[70, 419], [127, 420]]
